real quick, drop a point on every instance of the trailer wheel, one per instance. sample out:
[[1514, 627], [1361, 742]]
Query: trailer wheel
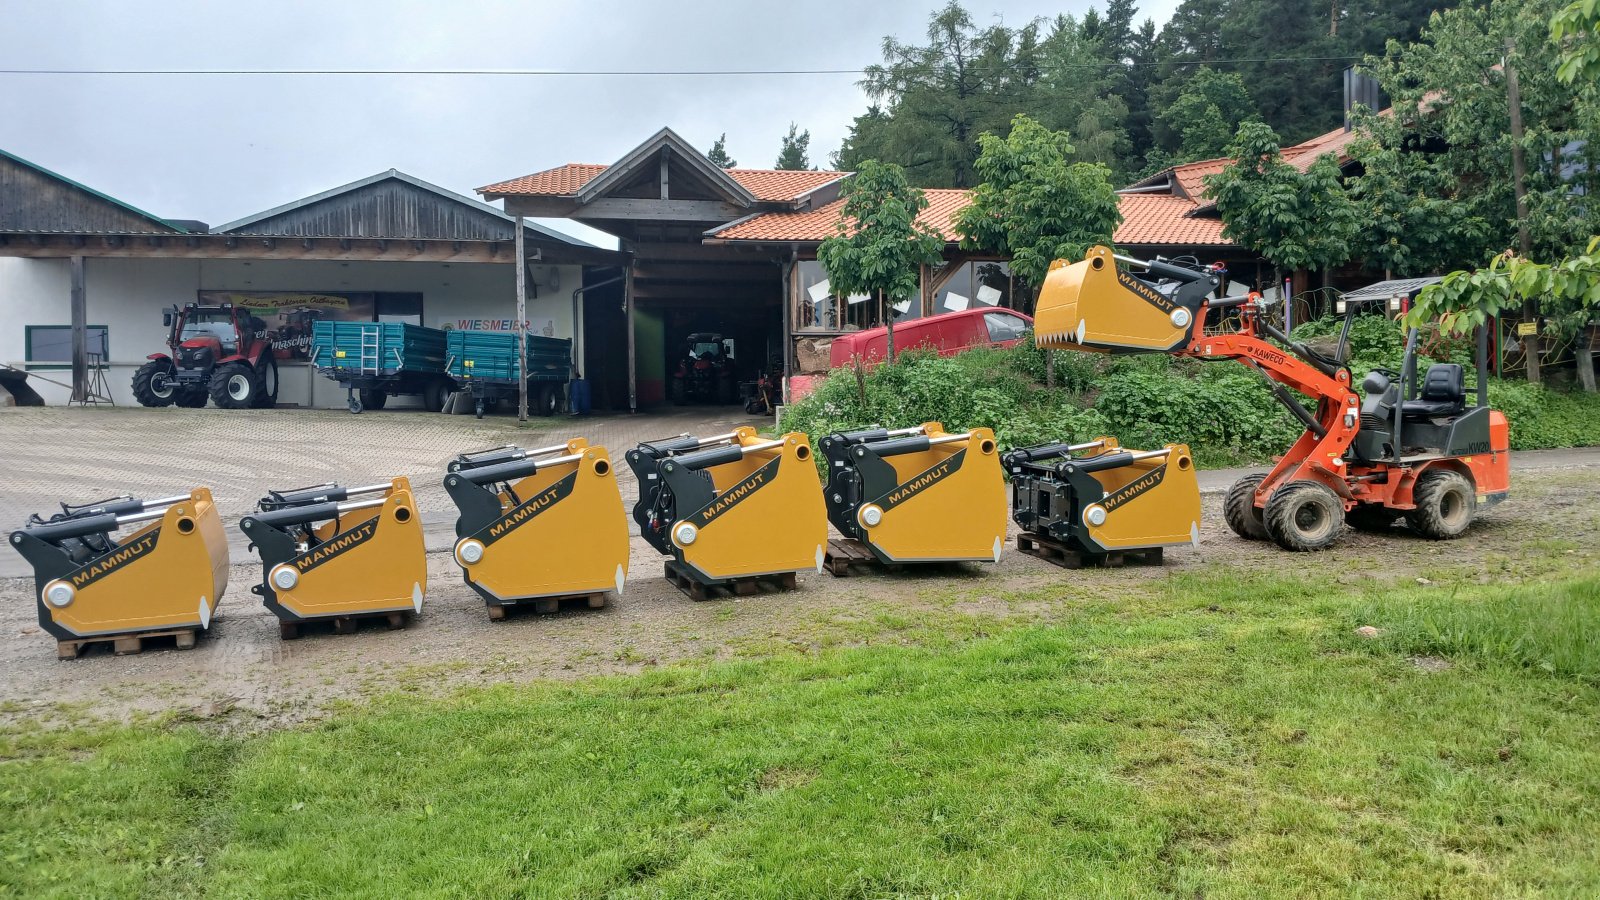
[[477, 408], [153, 383], [353, 403], [374, 399], [1239, 508], [1304, 516], [1445, 504], [434, 394], [235, 386]]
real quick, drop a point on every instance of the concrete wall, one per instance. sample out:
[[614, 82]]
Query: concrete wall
[[127, 296]]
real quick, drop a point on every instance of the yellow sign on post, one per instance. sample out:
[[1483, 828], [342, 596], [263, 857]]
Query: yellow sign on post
[[1527, 329]]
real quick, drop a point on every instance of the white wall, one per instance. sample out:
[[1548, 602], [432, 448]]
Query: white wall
[[127, 296]]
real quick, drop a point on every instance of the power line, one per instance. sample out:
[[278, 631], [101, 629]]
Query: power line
[[618, 73]]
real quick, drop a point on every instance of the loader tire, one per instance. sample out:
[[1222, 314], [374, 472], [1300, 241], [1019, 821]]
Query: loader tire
[[192, 398], [1239, 508], [1445, 504], [1372, 518], [267, 375], [154, 383], [1304, 516], [235, 386]]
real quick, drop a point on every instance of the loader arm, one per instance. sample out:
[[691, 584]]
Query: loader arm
[[1092, 306]]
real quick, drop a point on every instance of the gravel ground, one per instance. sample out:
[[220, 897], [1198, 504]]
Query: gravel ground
[[243, 672]]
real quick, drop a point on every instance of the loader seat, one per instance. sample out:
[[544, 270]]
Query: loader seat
[[1444, 393]]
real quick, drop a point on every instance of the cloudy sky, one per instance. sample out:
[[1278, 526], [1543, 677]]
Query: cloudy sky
[[219, 147]]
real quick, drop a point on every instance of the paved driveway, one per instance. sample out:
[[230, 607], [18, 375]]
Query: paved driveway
[[52, 454]]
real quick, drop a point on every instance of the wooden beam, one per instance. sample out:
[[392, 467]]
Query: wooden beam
[[659, 291], [344, 244], [697, 252], [633, 357], [707, 272], [78, 241], [80, 332], [270, 243], [308, 243], [347, 250], [666, 154]]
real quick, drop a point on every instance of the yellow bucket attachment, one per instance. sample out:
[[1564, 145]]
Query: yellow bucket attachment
[[334, 552], [91, 582], [1092, 305], [537, 523], [741, 507], [1098, 498], [918, 494]]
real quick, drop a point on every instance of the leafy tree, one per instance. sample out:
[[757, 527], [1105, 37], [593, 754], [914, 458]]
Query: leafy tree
[[793, 154], [719, 153], [938, 97], [1576, 28], [1412, 223], [1206, 114], [1035, 205], [1297, 220], [880, 247]]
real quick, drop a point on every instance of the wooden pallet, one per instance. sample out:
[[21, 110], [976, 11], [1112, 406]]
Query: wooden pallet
[[846, 554], [595, 600], [1069, 558], [342, 624], [126, 644], [698, 590]]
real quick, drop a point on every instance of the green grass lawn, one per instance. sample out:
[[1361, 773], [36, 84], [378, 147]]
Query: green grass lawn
[[1217, 735]]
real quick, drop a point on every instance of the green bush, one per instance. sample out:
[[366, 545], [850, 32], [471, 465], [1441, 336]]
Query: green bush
[[1223, 411]]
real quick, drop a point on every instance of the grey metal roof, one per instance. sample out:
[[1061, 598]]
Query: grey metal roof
[[1402, 287], [34, 199], [391, 205]]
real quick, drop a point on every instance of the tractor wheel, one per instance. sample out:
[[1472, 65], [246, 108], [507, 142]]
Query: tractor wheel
[[1373, 518], [372, 398], [235, 386], [192, 398], [267, 374], [1445, 504], [1240, 509], [680, 392], [153, 384], [1304, 516]]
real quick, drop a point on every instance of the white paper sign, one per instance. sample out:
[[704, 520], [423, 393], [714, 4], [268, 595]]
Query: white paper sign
[[988, 296], [857, 298], [819, 291], [954, 301], [901, 307]]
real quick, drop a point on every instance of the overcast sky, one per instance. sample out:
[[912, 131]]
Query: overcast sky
[[220, 147]]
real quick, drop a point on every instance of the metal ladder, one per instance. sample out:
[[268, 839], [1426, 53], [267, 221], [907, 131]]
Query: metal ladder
[[370, 340]]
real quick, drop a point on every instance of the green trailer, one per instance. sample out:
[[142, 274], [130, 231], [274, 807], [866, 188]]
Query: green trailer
[[485, 363], [374, 361]]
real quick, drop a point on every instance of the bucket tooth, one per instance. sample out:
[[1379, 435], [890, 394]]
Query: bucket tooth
[[915, 495], [92, 581], [538, 524], [332, 552], [1098, 499], [734, 506]]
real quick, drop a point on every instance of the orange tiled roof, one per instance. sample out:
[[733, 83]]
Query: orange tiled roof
[[564, 181], [1147, 219], [782, 184], [1167, 221], [558, 182], [821, 223]]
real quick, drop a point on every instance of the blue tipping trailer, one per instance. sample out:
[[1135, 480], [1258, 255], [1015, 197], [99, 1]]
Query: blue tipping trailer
[[485, 363], [373, 361]]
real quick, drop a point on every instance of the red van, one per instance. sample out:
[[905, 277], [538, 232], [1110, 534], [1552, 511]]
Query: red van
[[948, 333]]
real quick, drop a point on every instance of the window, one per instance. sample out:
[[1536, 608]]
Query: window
[[1004, 326], [820, 309], [399, 308], [50, 346]]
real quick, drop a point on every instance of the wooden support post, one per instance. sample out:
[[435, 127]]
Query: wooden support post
[[790, 307], [521, 327], [80, 334], [633, 361], [1519, 177]]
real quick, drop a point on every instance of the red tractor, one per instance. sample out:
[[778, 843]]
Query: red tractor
[[221, 352]]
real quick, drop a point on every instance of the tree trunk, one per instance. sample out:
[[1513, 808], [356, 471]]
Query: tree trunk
[[1519, 174], [888, 321], [1585, 364], [861, 379], [1049, 368]]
